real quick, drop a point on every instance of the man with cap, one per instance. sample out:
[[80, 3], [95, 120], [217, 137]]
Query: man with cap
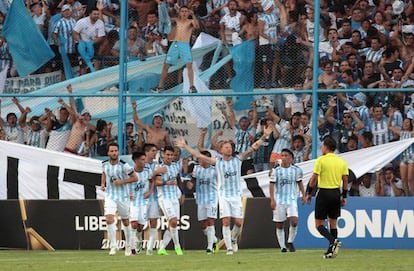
[[62, 35], [34, 135], [268, 25], [358, 103], [350, 122], [77, 9], [155, 134]]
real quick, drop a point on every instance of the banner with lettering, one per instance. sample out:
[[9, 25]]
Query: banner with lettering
[[30, 83]]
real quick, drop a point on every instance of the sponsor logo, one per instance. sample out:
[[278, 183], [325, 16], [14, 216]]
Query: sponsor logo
[[98, 223], [374, 224]]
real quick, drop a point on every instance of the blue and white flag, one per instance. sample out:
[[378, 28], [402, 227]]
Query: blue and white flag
[[27, 45]]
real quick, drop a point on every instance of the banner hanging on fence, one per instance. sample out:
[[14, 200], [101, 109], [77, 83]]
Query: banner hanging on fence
[[34, 173]]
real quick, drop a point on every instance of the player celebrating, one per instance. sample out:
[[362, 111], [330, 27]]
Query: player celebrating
[[229, 185], [168, 199], [207, 200], [116, 174], [140, 192], [153, 212], [283, 191]]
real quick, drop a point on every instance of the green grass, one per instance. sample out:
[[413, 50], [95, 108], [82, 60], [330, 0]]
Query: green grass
[[244, 259]]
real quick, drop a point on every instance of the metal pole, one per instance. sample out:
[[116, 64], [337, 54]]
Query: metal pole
[[122, 74], [315, 133]]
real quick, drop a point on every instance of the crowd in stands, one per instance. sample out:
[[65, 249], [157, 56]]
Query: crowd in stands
[[364, 44]]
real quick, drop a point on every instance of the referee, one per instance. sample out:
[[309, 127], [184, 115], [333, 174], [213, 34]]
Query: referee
[[330, 171]]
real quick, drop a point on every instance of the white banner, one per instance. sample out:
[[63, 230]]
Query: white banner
[[35, 181], [18, 85], [360, 162], [33, 164]]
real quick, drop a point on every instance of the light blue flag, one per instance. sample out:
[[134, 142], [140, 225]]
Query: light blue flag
[[67, 67], [243, 56], [27, 45], [4, 6], [164, 22]]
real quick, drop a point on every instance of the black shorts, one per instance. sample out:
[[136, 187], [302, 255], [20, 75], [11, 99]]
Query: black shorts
[[246, 166], [328, 203], [267, 53]]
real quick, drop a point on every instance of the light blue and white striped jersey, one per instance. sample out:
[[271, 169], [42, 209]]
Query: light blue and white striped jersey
[[371, 55], [212, 4], [286, 184], [228, 177], [121, 170], [140, 187], [270, 22], [410, 150], [380, 131], [284, 140], [64, 29], [206, 184], [298, 155], [169, 192], [363, 115], [33, 138], [396, 121], [151, 167], [82, 148], [14, 134], [241, 138]]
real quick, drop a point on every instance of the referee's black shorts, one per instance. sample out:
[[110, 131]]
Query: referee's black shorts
[[328, 203]]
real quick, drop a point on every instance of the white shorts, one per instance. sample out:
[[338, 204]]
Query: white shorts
[[283, 211], [231, 207], [153, 210], [170, 208], [111, 206], [138, 213], [205, 211]]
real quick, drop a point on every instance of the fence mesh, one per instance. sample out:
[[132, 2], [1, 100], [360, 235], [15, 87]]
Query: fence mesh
[[357, 52]]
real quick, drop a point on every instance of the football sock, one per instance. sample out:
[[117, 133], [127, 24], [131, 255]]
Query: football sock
[[151, 241], [325, 233], [235, 233], [210, 237], [280, 233], [227, 237], [292, 233], [174, 236], [334, 233], [127, 231], [132, 242], [111, 228]]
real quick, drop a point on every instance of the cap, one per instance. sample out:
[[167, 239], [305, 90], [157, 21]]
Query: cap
[[32, 6], [34, 120], [342, 85], [389, 166], [157, 115], [360, 97], [66, 7], [266, 4], [244, 118], [398, 7], [85, 111]]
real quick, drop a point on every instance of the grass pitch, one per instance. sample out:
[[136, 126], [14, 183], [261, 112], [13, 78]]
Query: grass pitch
[[244, 259]]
